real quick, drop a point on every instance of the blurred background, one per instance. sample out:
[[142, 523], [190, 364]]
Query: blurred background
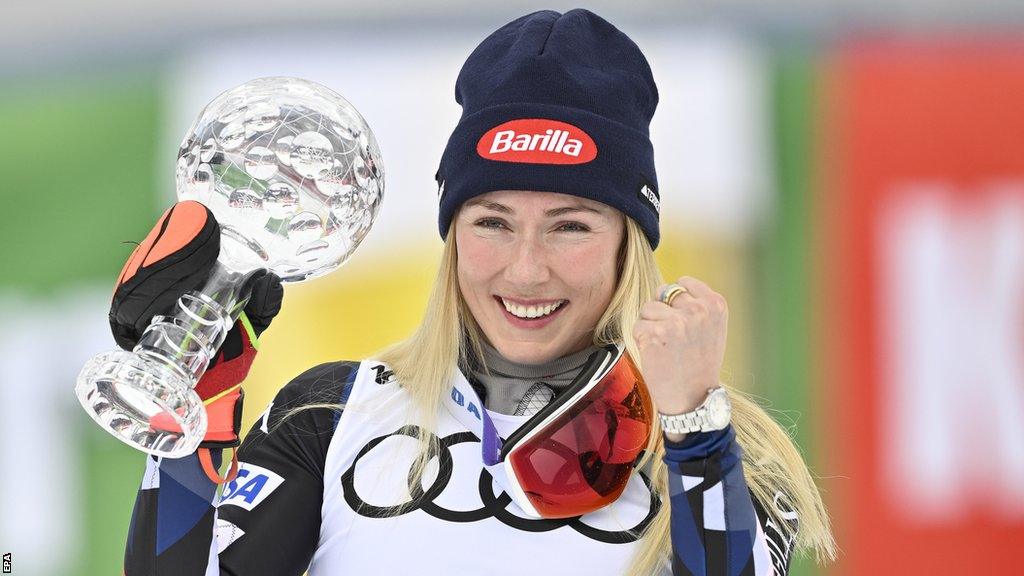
[[850, 175]]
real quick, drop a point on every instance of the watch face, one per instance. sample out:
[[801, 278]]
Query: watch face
[[719, 409]]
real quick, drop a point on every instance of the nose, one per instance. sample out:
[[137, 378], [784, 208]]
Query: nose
[[527, 265]]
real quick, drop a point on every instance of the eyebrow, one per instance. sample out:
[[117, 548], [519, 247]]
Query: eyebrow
[[497, 207]]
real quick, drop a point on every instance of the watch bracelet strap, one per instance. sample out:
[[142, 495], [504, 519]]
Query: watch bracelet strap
[[696, 420], [686, 423]]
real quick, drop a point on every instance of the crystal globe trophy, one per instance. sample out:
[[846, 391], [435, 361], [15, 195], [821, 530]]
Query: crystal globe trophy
[[293, 175]]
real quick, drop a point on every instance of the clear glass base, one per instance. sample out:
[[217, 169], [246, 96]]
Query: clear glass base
[[144, 402], [145, 397]]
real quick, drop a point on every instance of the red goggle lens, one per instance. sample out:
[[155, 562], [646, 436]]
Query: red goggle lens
[[583, 459]]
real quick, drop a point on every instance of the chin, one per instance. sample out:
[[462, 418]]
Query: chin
[[527, 352]]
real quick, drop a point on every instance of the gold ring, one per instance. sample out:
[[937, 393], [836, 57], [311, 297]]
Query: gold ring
[[670, 292]]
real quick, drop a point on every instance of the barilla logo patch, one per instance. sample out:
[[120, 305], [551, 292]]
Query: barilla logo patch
[[537, 141]]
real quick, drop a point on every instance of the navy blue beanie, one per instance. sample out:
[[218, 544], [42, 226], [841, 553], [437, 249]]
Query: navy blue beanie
[[556, 103]]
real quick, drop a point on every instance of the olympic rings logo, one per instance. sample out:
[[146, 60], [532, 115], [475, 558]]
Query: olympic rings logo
[[493, 506]]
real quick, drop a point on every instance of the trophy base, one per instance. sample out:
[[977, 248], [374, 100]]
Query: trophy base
[[143, 402]]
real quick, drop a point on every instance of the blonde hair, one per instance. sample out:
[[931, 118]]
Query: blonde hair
[[448, 336]]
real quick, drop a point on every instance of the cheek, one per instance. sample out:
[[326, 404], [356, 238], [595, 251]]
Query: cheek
[[476, 263], [592, 273]]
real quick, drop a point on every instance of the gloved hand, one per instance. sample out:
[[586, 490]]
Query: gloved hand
[[177, 256]]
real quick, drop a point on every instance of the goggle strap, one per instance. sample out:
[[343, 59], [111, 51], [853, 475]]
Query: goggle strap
[[465, 405], [639, 457], [490, 442]]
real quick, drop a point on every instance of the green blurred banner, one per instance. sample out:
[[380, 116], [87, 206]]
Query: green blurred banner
[[78, 181]]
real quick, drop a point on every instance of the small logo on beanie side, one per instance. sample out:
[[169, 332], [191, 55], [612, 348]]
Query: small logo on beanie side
[[648, 194], [537, 141]]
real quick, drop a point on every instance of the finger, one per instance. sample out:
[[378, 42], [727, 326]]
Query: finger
[[702, 294], [647, 332], [264, 302], [249, 284], [662, 291], [656, 310], [680, 299], [694, 287]]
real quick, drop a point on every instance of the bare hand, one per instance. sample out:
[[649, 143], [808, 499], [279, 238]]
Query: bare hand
[[682, 346]]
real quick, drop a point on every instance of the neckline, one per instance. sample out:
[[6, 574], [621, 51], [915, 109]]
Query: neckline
[[508, 417], [498, 365]]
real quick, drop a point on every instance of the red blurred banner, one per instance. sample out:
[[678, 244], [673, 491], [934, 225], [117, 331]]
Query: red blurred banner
[[920, 212]]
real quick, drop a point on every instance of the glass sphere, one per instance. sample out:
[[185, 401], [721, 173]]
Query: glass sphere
[[291, 171]]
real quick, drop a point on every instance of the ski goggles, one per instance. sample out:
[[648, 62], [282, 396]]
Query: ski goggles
[[576, 454]]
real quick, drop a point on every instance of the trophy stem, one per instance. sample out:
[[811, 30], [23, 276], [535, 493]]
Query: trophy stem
[[187, 339]]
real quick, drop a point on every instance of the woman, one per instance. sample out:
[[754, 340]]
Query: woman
[[549, 214]]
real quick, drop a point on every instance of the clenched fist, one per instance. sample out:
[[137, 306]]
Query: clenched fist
[[682, 345]]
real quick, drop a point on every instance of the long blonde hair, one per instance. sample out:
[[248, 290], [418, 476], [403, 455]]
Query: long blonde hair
[[425, 362]]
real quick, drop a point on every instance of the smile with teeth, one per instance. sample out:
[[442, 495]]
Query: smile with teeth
[[530, 312]]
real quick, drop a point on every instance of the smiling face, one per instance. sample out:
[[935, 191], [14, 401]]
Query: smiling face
[[537, 269]]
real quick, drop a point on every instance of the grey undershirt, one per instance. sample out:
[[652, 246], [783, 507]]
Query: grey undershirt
[[507, 382]]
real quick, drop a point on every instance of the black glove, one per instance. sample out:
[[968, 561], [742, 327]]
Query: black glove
[[177, 256]]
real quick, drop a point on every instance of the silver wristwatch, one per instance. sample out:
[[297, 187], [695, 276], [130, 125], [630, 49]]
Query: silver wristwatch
[[713, 414]]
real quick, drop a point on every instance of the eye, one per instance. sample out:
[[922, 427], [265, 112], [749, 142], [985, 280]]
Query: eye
[[490, 223], [573, 227]]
